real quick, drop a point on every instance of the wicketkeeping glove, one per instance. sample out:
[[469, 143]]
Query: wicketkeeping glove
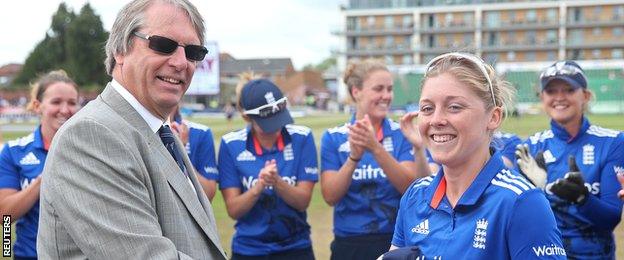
[[533, 169], [572, 186]]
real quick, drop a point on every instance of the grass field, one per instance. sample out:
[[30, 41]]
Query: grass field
[[319, 213]]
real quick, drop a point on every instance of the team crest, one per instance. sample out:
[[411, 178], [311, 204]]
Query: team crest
[[588, 154], [480, 234]]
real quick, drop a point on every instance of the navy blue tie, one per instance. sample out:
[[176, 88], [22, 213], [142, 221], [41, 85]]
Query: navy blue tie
[[166, 136]]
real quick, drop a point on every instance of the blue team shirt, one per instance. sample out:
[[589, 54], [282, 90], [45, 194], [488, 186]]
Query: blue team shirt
[[587, 230], [200, 149], [500, 216], [370, 205], [271, 226], [506, 143], [21, 162]]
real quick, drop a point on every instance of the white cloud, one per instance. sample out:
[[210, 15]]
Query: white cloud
[[298, 29]]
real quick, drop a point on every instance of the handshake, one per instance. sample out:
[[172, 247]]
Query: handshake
[[570, 188]]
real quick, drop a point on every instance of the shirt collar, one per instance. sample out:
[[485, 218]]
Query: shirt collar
[[38, 142], [154, 122], [562, 134], [253, 144], [476, 188]]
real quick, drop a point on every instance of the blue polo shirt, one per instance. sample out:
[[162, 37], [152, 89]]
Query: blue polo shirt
[[21, 161], [506, 143], [370, 205], [271, 226], [500, 216], [587, 229], [200, 149]]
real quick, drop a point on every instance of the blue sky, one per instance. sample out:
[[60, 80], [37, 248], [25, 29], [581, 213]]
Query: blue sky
[[299, 29]]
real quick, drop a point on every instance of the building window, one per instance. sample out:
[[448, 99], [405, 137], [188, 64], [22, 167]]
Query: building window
[[577, 36], [551, 55], [431, 41], [618, 12], [468, 19], [577, 14], [617, 53], [448, 19], [529, 56], [468, 37], [493, 19], [551, 36], [389, 42], [431, 21], [353, 43], [551, 15], [511, 56], [531, 37], [389, 22], [531, 16], [407, 21], [407, 59], [370, 21], [492, 39], [491, 58], [618, 31], [597, 12], [352, 23], [596, 53]]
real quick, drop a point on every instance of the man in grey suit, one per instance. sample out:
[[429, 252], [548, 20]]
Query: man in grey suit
[[117, 184]]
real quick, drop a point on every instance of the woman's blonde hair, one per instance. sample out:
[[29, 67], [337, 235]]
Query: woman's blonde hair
[[357, 72], [480, 76], [38, 88]]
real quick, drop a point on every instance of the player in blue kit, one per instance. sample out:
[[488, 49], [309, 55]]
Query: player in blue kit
[[199, 145], [366, 165], [506, 143], [475, 207], [54, 97], [266, 173], [581, 160]]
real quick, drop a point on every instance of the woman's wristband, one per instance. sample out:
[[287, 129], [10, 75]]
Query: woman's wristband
[[353, 159]]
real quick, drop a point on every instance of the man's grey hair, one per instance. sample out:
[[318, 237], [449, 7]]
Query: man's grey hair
[[132, 17]]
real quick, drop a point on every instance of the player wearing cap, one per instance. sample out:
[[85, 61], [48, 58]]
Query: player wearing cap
[[581, 163], [366, 165], [475, 207], [266, 173]]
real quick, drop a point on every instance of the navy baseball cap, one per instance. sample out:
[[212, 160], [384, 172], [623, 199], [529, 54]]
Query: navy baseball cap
[[265, 104], [404, 253], [568, 71]]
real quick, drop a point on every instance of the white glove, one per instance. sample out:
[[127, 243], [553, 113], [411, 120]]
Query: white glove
[[529, 167]]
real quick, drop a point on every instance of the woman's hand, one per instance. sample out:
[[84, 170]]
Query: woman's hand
[[362, 134], [410, 131]]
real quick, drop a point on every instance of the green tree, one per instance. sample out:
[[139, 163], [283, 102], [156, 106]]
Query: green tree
[[74, 43], [50, 52], [84, 43]]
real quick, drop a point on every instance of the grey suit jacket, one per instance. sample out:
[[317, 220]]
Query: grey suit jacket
[[111, 190]]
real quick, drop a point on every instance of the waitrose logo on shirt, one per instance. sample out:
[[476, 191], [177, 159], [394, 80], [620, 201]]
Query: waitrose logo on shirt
[[548, 250], [367, 172]]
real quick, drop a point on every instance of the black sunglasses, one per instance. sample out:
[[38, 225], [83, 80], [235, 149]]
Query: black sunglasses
[[168, 46]]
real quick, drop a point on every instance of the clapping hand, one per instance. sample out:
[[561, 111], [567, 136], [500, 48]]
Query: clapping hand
[[571, 187]]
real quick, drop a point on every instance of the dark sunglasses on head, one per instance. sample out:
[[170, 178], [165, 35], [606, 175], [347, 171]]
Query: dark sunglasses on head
[[168, 46]]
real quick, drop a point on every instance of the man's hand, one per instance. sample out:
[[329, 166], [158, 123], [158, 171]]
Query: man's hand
[[572, 186], [533, 169]]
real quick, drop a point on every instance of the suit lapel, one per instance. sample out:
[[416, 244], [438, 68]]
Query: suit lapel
[[177, 180]]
